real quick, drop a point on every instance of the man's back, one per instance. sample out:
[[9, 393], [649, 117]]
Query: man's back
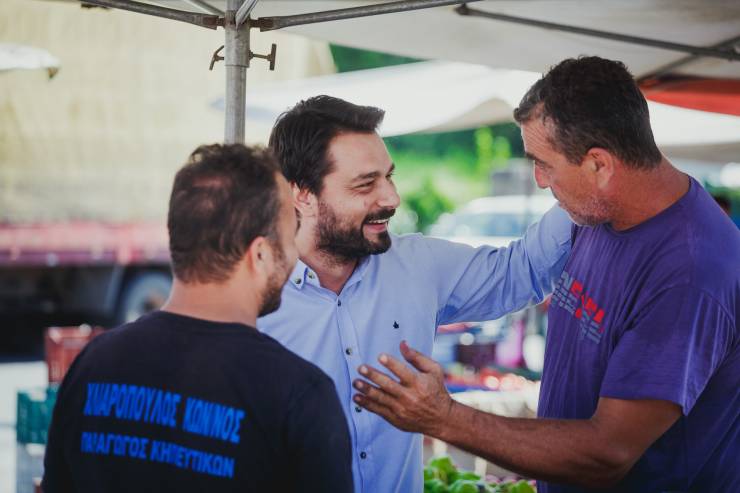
[[175, 403]]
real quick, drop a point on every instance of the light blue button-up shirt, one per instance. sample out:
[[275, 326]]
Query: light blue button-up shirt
[[404, 294]]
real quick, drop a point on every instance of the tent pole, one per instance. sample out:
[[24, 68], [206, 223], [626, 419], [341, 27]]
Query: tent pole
[[725, 52], [280, 22], [236, 58]]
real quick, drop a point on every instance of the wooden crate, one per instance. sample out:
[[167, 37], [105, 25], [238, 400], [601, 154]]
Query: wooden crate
[[62, 345]]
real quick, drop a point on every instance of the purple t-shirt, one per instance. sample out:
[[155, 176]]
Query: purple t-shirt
[[651, 313]]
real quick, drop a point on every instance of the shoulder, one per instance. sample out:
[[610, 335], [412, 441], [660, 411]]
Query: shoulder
[[713, 244], [110, 340], [292, 368], [416, 244]]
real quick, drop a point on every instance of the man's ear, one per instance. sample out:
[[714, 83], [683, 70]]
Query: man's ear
[[258, 256], [601, 165], [305, 202]]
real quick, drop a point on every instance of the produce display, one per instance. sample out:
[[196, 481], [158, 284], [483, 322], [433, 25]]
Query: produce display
[[460, 377], [442, 476]]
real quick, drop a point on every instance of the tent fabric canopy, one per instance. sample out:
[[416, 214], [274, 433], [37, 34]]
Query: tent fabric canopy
[[447, 96], [442, 33]]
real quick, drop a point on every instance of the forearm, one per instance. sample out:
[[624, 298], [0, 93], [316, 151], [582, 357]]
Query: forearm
[[567, 451]]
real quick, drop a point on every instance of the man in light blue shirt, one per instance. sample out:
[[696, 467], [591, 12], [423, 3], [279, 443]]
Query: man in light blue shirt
[[358, 291]]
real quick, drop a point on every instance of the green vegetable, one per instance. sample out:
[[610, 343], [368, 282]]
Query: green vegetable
[[521, 487], [483, 487], [435, 486], [431, 472], [442, 476], [445, 468], [462, 475], [443, 464], [464, 486]]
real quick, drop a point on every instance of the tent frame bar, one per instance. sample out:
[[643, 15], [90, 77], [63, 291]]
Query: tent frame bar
[[205, 7], [244, 10], [726, 44], [237, 25], [280, 22], [202, 20], [725, 54]]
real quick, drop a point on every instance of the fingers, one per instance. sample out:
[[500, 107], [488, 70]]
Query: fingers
[[405, 374], [381, 380], [418, 360], [375, 407], [370, 393]]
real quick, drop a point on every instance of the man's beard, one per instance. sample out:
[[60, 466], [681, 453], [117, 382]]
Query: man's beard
[[346, 242], [272, 294], [591, 212]]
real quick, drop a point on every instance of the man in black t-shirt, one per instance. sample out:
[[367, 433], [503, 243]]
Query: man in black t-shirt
[[193, 397]]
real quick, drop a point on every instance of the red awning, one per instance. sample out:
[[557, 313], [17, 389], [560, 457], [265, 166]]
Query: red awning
[[715, 95]]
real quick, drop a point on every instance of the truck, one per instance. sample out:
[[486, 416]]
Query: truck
[[88, 152]]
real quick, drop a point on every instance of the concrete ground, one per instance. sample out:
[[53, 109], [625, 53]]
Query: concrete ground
[[14, 377]]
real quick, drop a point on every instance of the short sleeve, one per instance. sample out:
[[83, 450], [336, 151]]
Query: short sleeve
[[319, 441], [671, 349]]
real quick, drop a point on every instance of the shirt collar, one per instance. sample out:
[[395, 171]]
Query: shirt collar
[[359, 271], [303, 274]]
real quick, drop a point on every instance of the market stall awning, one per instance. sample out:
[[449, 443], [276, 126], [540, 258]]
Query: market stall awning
[[505, 42], [447, 96], [661, 41], [717, 95]]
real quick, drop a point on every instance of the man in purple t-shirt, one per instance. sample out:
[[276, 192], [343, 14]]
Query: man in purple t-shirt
[[641, 384]]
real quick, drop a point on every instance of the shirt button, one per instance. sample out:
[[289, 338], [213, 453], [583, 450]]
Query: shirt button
[[311, 275], [298, 280], [359, 410], [363, 455], [348, 351], [339, 302]]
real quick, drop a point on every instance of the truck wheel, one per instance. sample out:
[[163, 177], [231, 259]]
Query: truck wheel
[[144, 292]]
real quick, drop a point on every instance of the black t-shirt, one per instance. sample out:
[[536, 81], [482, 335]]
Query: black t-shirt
[[173, 403]]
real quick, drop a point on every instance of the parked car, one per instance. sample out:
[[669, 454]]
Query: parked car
[[493, 221], [517, 338]]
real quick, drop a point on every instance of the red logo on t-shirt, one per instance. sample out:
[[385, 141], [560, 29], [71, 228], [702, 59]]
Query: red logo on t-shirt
[[570, 295]]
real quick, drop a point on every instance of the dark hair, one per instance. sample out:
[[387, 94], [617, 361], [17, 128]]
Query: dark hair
[[593, 102], [301, 136], [222, 199]]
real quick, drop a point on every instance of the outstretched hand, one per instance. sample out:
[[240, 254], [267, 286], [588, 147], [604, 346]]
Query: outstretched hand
[[416, 401]]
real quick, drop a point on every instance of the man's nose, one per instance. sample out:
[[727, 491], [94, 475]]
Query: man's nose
[[389, 198], [540, 178]]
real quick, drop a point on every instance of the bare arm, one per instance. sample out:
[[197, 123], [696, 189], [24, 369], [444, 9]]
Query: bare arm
[[595, 452]]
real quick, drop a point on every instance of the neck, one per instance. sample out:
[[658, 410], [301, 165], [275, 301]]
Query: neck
[[645, 194], [333, 272], [215, 302]]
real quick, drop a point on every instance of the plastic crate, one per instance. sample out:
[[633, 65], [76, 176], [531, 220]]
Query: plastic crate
[[35, 407], [62, 345], [29, 467]]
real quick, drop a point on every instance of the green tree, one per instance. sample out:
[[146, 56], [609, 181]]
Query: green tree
[[349, 59], [428, 202]]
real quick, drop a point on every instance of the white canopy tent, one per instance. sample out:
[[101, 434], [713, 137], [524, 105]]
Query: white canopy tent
[[447, 96], [654, 38], [442, 33]]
